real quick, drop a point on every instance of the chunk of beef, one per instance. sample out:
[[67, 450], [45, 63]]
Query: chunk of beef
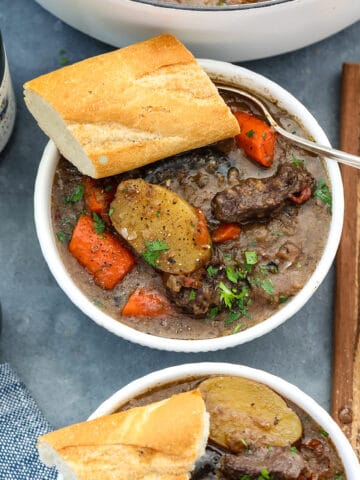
[[280, 462], [194, 294], [255, 199]]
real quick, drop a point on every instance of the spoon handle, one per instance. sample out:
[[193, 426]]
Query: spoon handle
[[332, 153]]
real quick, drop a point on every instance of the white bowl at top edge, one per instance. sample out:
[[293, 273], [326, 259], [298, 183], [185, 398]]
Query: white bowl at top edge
[[287, 390], [236, 33], [42, 204]]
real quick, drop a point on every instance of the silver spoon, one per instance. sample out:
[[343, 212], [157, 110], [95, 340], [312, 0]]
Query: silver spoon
[[342, 157]]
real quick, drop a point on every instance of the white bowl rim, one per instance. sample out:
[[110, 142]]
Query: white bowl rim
[[218, 8], [281, 386], [42, 214]]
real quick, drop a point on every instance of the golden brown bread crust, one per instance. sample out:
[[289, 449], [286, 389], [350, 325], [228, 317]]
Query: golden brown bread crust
[[162, 439], [135, 105]]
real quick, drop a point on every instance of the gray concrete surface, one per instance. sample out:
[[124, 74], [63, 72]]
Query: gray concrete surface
[[70, 364]]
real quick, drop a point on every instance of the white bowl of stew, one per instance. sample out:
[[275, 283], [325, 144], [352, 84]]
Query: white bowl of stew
[[234, 32], [286, 259], [319, 430]]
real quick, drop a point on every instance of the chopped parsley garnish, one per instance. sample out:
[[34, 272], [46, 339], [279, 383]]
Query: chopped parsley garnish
[[265, 474], [250, 133], [108, 188], [76, 196], [226, 295], [324, 433], [267, 285], [270, 267], [158, 213], [251, 257], [283, 299], [322, 192], [237, 328], [226, 256], [293, 450], [153, 251], [99, 224], [111, 211], [296, 161], [212, 271], [231, 274], [245, 477], [339, 476], [192, 295], [62, 237], [232, 317], [213, 312]]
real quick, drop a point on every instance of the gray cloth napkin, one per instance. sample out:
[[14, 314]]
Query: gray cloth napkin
[[21, 422]]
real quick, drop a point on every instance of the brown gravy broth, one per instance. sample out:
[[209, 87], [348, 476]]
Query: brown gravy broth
[[294, 238], [315, 445]]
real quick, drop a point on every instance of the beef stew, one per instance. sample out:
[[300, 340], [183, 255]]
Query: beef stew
[[261, 219]]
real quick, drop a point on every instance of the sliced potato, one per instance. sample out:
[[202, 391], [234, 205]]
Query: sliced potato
[[161, 226], [244, 412]]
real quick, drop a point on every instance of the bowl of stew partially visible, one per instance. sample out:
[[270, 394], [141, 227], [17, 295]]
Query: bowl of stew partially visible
[[263, 267], [233, 30], [261, 427]]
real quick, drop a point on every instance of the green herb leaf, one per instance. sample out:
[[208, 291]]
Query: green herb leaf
[[283, 299], [231, 274], [250, 133], [251, 257], [267, 285], [63, 60], [227, 257], [153, 251], [192, 295], [237, 329], [76, 196], [62, 237], [213, 312], [324, 433], [297, 161], [339, 476], [158, 214], [111, 211], [108, 188], [99, 224], [232, 317], [322, 192], [226, 295], [265, 473], [212, 271], [245, 477], [293, 450]]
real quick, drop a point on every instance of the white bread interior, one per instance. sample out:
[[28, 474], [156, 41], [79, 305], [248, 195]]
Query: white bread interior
[[162, 440], [130, 107]]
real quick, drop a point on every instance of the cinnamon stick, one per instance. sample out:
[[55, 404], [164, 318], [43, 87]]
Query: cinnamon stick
[[346, 363]]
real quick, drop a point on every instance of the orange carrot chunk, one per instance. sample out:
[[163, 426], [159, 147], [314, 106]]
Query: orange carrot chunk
[[98, 199], [103, 255], [225, 232], [202, 235], [146, 303], [256, 138]]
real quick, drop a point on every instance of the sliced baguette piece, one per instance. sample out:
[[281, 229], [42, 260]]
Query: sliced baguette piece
[[161, 440], [130, 107]]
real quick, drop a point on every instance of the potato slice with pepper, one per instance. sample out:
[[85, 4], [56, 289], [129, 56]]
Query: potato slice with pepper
[[244, 413], [161, 226]]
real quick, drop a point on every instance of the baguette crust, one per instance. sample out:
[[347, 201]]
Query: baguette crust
[[132, 106], [160, 440]]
